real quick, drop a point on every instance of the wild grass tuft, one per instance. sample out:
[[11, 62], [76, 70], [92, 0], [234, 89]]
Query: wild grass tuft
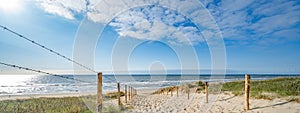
[[267, 89]]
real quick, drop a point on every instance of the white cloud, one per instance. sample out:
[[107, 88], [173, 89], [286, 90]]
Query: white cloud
[[156, 23], [244, 21], [256, 21], [147, 23], [64, 8]]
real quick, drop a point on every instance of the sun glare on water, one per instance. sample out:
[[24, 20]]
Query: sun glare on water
[[10, 5], [8, 80]]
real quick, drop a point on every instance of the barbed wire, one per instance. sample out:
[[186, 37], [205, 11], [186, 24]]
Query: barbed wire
[[47, 48], [50, 50], [42, 72]]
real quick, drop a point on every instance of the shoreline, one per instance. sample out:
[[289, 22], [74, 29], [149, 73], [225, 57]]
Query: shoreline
[[36, 96]]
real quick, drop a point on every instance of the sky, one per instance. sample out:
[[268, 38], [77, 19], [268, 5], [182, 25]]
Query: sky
[[196, 36]]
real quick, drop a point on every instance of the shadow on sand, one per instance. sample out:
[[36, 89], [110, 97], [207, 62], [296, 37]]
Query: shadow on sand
[[225, 99], [281, 103]]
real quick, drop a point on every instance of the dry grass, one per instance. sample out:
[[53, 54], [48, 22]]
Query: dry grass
[[57, 105], [287, 88], [268, 89]]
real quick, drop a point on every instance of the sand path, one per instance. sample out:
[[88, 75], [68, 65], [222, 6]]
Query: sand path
[[226, 103]]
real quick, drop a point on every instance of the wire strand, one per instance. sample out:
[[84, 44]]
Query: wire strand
[[47, 48], [50, 50], [42, 72]]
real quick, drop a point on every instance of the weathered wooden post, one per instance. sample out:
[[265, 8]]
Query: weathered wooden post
[[188, 92], [119, 94], [177, 91], [171, 92], [129, 92], [206, 91], [247, 88], [125, 93], [134, 91], [99, 93]]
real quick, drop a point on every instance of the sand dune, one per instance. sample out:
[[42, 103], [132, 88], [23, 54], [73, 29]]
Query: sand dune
[[226, 103], [145, 102]]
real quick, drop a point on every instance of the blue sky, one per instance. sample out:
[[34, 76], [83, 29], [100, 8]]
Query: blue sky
[[259, 36]]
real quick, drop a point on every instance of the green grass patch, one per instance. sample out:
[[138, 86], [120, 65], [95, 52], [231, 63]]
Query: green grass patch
[[288, 88], [267, 89], [58, 105], [44, 105], [199, 86]]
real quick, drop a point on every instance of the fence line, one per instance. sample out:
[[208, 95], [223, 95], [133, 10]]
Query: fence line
[[42, 72], [131, 93], [47, 48]]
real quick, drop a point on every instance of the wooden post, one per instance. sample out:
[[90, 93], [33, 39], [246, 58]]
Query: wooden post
[[129, 92], [125, 93], [134, 91], [247, 88], [177, 91], [188, 92], [206, 91], [99, 93], [119, 94], [171, 92]]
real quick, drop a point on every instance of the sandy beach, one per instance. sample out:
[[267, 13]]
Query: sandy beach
[[225, 102], [146, 102]]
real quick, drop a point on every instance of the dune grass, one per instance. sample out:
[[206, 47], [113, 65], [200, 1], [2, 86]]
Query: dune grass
[[58, 105], [288, 88], [268, 89], [199, 86], [44, 105]]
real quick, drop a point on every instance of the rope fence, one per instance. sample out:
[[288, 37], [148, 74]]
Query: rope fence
[[46, 48], [41, 72]]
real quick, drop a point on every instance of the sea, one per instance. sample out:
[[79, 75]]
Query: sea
[[47, 84]]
